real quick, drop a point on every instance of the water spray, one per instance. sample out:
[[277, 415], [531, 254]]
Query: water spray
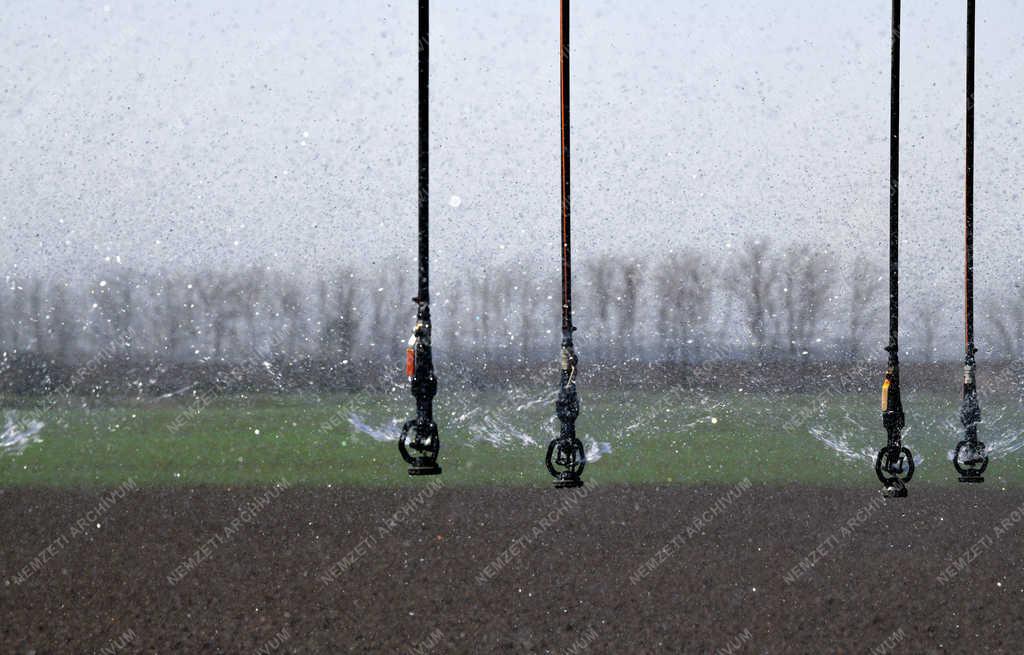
[[895, 463], [566, 458], [419, 442], [970, 457]]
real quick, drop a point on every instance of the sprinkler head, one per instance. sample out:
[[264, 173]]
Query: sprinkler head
[[970, 460], [420, 436], [894, 467], [565, 460]]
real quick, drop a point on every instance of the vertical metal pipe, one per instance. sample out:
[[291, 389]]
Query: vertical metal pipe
[[565, 457], [420, 434], [566, 240], [894, 176], [970, 458], [969, 192], [424, 178], [894, 465]]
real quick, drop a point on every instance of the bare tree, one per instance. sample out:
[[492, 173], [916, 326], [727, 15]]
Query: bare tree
[[401, 315], [927, 320], [864, 304], [171, 324], [808, 282], [5, 316], [391, 313], [1008, 324], [479, 290], [527, 320], [631, 279], [252, 308], [289, 308], [454, 314], [37, 313], [684, 302], [499, 306], [16, 316], [218, 293], [1016, 312], [753, 278], [600, 275], [62, 332], [340, 321], [114, 300]]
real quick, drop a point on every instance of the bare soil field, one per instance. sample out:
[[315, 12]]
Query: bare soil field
[[605, 569]]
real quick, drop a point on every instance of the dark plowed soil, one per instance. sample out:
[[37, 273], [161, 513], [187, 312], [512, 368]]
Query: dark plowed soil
[[468, 570]]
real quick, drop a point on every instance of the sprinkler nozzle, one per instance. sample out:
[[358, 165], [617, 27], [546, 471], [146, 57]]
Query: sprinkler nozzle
[[565, 460], [894, 465], [970, 459], [565, 457], [419, 435]]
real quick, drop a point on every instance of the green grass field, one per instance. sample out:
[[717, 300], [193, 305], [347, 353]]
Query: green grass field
[[492, 438]]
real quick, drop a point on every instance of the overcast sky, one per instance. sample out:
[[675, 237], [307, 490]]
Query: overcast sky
[[185, 134]]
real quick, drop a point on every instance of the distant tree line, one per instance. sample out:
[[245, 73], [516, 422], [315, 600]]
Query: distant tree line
[[757, 302]]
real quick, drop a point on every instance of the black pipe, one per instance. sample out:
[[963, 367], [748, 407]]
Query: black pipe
[[565, 458], [566, 232], [419, 442], [970, 458], [894, 465], [969, 191], [423, 294], [894, 183]]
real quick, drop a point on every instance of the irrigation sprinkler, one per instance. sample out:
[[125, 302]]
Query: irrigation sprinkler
[[419, 435], [970, 458], [894, 465], [565, 458]]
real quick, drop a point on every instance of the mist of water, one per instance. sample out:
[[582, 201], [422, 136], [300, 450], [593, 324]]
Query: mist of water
[[19, 435]]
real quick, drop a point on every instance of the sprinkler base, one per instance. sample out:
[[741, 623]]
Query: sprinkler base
[[424, 467], [971, 478], [895, 492], [568, 482]]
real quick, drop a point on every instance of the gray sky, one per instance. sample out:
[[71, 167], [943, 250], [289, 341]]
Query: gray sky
[[230, 133]]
